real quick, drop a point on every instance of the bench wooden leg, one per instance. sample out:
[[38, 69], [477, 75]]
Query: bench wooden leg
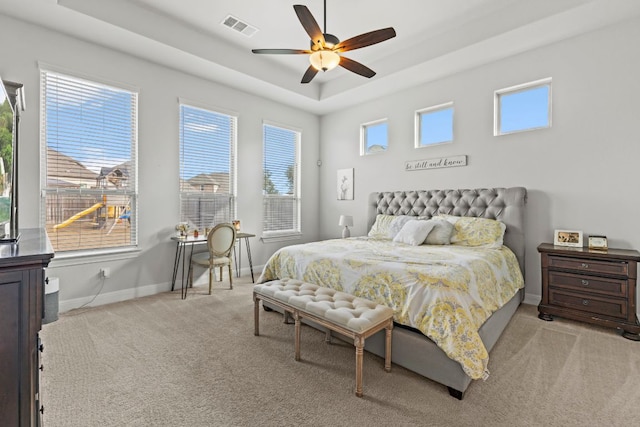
[[387, 347], [256, 315], [359, 343], [296, 317]]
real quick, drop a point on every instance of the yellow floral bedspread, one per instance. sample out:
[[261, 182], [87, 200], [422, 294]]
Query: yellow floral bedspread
[[446, 292]]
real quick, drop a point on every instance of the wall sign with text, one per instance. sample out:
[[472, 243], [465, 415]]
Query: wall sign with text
[[442, 162]]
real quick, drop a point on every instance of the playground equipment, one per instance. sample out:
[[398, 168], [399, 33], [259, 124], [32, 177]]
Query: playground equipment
[[126, 215], [78, 216], [118, 211]]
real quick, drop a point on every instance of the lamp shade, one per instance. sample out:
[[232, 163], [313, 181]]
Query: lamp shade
[[346, 220], [324, 60]]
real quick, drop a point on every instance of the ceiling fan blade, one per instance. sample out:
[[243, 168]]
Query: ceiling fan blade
[[366, 39], [281, 51], [309, 74], [310, 25], [356, 67]]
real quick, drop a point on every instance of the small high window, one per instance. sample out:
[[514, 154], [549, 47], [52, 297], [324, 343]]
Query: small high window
[[434, 125], [523, 107], [374, 137]]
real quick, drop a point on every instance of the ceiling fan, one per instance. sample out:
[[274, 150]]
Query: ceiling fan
[[326, 49]]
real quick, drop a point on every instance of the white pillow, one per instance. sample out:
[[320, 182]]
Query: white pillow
[[414, 232], [397, 224], [441, 234]]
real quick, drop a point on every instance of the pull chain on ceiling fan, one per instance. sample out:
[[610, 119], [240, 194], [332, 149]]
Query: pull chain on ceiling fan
[[326, 49]]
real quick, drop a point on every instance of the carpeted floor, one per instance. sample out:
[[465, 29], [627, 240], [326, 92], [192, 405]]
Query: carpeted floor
[[161, 361]]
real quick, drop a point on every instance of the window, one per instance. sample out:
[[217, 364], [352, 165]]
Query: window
[[281, 188], [523, 107], [207, 167], [434, 125], [89, 165], [373, 137]]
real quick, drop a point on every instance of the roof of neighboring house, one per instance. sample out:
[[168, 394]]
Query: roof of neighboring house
[[58, 183], [121, 170], [209, 180], [62, 166]]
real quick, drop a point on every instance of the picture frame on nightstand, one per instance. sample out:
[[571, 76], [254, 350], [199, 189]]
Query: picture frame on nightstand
[[567, 238], [598, 243]]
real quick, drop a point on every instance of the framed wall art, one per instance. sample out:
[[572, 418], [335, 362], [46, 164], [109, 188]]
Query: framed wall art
[[345, 184]]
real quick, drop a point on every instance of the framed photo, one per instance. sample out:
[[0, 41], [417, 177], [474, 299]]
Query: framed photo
[[345, 184], [567, 238]]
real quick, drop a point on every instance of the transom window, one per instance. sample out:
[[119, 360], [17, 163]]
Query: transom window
[[89, 164], [281, 188], [207, 167], [523, 107], [434, 125], [374, 137]]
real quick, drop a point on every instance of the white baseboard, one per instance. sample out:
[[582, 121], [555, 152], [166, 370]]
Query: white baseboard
[[115, 296], [137, 292], [532, 299]]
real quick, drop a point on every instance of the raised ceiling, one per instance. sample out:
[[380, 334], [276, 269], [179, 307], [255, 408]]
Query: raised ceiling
[[435, 38]]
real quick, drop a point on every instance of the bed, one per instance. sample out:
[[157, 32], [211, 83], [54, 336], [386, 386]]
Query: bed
[[451, 302]]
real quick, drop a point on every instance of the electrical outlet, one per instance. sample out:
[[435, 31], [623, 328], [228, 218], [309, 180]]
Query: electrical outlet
[[105, 272]]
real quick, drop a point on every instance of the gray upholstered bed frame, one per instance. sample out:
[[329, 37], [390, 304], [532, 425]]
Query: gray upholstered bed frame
[[411, 349]]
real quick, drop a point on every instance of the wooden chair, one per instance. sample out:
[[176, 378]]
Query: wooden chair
[[220, 242]]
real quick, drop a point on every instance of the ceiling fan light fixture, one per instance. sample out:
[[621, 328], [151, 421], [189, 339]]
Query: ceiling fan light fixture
[[324, 60]]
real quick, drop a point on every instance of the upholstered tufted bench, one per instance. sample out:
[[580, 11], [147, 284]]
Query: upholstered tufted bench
[[350, 316]]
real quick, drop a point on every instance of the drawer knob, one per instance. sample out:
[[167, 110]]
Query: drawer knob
[[585, 282], [585, 302], [585, 265]]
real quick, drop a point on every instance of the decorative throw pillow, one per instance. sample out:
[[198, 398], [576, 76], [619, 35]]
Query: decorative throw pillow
[[397, 223], [380, 228], [414, 232], [472, 231], [441, 233]]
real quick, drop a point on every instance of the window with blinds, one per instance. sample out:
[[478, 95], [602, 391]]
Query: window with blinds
[[281, 188], [88, 164], [207, 167]]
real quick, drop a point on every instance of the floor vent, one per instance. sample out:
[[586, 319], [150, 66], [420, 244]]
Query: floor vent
[[240, 26]]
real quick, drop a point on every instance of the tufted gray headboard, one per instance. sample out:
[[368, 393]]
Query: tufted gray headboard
[[503, 204]]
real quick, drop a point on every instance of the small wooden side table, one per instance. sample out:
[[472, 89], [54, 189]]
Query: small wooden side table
[[238, 259], [592, 286]]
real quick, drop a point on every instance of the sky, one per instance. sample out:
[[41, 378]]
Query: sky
[[89, 123], [522, 110]]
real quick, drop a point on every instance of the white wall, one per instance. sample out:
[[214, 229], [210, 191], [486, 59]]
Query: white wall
[[149, 270], [582, 174]]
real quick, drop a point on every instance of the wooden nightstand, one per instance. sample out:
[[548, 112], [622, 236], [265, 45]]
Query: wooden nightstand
[[591, 286]]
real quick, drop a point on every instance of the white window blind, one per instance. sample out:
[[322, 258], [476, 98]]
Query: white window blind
[[281, 188], [207, 167], [88, 163]]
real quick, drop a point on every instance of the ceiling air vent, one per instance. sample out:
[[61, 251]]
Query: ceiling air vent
[[240, 26]]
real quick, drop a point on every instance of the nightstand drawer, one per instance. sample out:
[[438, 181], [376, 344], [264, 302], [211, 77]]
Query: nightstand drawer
[[589, 303], [583, 282], [606, 267]]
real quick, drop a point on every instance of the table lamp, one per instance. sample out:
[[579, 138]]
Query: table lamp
[[346, 221]]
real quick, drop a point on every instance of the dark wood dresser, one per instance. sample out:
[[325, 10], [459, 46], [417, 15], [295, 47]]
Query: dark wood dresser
[[21, 311], [592, 286]]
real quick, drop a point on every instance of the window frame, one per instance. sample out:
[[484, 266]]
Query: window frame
[[497, 96], [296, 232], [364, 133], [233, 151], [73, 257], [428, 110]]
